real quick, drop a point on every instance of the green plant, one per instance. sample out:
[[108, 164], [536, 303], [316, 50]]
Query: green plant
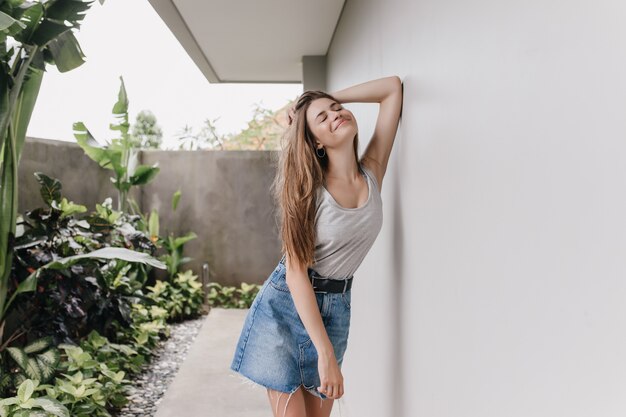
[[232, 297], [70, 302], [147, 328], [24, 404], [117, 356], [33, 362], [174, 245], [120, 155], [182, 298], [41, 33], [89, 387]]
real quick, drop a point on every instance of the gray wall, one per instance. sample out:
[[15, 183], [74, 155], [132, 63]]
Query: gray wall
[[497, 285], [225, 200]]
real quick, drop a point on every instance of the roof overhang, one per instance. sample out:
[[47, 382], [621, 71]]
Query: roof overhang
[[262, 41]]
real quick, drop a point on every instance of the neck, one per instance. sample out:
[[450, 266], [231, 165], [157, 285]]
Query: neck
[[343, 168]]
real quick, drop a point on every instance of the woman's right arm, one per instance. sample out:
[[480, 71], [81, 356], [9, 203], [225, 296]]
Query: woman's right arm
[[331, 379], [306, 304]]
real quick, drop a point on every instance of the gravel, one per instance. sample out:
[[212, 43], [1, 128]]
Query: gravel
[[149, 386]]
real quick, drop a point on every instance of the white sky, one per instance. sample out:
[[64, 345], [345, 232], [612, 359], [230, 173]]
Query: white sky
[[127, 38]]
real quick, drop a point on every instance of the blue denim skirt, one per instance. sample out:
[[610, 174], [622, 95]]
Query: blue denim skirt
[[274, 349]]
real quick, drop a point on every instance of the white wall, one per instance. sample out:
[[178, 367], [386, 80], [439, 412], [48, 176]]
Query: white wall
[[497, 286]]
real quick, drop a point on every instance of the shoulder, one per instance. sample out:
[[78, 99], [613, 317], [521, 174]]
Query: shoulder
[[372, 169]]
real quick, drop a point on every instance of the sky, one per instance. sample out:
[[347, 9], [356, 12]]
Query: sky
[[127, 38]]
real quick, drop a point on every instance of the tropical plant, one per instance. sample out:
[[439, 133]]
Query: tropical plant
[[38, 32], [36, 361], [73, 299], [120, 155], [232, 297], [173, 245], [24, 404], [182, 298]]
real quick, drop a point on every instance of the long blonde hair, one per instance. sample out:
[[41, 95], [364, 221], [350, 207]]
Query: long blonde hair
[[300, 171]]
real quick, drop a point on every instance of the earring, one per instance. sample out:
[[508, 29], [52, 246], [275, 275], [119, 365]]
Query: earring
[[322, 155]]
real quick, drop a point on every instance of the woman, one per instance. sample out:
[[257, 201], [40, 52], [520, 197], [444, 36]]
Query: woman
[[296, 331]]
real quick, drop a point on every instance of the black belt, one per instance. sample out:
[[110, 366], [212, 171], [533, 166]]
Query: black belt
[[321, 284]]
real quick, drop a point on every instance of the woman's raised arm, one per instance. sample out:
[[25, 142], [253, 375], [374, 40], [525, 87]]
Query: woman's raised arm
[[388, 92]]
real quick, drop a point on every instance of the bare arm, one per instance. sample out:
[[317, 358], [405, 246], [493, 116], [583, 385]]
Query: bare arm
[[388, 92], [306, 304]]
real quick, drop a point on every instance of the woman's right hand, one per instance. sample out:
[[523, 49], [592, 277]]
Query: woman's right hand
[[331, 379]]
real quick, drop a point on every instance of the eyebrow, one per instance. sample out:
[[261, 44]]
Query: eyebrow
[[320, 113]]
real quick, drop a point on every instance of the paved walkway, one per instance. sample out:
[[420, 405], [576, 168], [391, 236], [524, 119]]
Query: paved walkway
[[205, 386]]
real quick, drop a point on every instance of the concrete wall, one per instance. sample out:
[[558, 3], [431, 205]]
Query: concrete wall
[[497, 285], [225, 200]]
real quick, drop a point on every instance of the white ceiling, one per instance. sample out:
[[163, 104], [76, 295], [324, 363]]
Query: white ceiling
[[251, 41]]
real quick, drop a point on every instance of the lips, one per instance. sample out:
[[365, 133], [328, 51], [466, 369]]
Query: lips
[[341, 121]]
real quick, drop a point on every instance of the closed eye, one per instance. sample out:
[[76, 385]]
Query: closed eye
[[325, 117]]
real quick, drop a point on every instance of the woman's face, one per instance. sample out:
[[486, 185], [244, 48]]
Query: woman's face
[[332, 125]]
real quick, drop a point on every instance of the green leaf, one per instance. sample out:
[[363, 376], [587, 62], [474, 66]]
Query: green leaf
[[18, 356], [179, 241], [52, 406], [66, 51], [50, 188], [71, 11], [144, 174], [109, 158], [32, 370], [31, 18], [69, 208], [7, 21], [153, 223], [38, 345], [175, 200], [25, 390]]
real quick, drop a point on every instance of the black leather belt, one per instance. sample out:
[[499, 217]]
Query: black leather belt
[[321, 284]]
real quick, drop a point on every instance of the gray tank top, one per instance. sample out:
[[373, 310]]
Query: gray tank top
[[345, 235]]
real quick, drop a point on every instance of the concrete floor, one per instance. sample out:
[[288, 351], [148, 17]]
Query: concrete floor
[[205, 386]]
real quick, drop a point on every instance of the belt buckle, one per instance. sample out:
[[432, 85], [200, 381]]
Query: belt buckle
[[312, 278], [313, 282]]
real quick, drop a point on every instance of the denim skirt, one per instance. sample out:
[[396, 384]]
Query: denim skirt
[[274, 349]]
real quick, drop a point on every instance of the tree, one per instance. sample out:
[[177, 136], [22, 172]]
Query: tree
[[145, 133], [41, 33], [206, 138]]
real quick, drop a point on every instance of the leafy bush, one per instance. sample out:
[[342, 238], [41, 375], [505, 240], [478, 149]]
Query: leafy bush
[[182, 298], [24, 404], [68, 303], [232, 297]]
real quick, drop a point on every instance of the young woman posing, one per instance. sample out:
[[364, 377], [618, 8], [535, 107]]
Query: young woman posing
[[296, 331]]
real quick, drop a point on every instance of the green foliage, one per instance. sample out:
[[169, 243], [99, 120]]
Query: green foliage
[[145, 132], [207, 138], [34, 362], [117, 356], [263, 132], [232, 297], [182, 298], [25, 404], [85, 270], [173, 245], [147, 329], [41, 33], [120, 155]]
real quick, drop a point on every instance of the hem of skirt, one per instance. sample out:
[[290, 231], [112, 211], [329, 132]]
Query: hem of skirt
[[245, 379], [253, 382]]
